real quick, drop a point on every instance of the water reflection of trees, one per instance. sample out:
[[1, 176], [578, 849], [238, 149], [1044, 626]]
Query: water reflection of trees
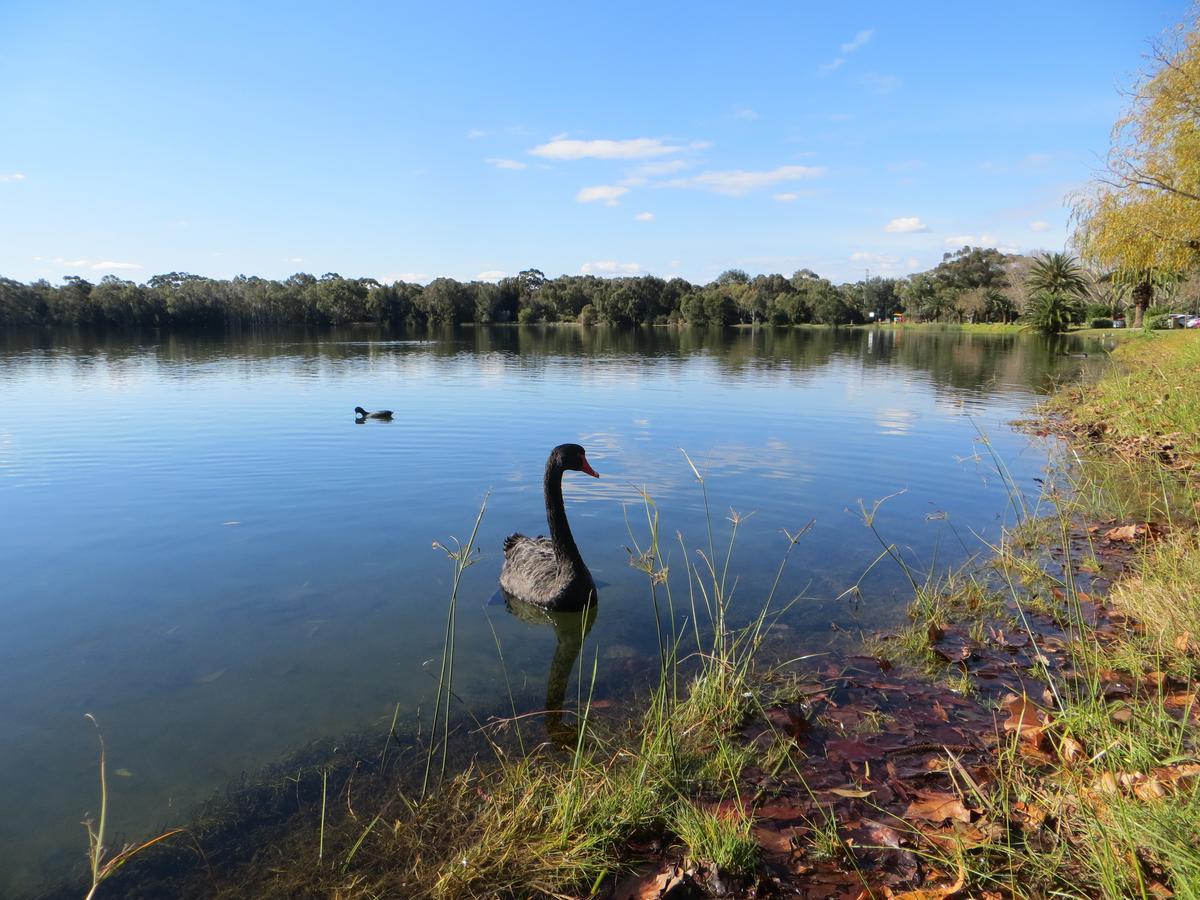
[[958, 361]]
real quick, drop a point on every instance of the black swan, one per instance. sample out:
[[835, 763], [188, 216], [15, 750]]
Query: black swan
[[549, 572], [379, 414]]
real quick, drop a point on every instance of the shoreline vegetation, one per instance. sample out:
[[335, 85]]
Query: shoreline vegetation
[[1049, 292], [1035, 731]]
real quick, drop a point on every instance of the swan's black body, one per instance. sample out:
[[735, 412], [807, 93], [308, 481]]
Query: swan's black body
[[361, 413], [549, 572]]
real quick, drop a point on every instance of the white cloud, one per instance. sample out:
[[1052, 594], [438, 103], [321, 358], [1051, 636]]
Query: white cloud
[[859, 39], [655, 169], [109, 264], [606, 192], [787, 198], [294, 259], [491, 275], [906, 225], [847, 48], [745, 113], [505, 163], [736, 182], [475, 134], [880, 84], [645, 217], [15, 176], [70, 262], [960, 240], [609, 267], [1037, 159], [1039, 226], [912, 262], [635, 148]]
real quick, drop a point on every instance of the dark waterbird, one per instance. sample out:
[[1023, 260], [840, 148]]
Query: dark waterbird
[[549, 572], [385, 414]]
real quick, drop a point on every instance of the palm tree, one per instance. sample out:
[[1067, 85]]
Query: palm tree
[[1051, 312], [1058, 273]]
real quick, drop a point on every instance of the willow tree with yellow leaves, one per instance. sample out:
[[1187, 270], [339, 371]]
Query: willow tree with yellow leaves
[[1141, 218]]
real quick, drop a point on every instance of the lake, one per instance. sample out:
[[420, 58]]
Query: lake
[[202, 548]]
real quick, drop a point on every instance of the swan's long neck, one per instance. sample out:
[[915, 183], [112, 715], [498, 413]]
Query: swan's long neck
[[556, 516]]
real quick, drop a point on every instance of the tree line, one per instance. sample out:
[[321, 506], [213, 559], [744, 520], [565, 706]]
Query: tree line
[[972, 284]]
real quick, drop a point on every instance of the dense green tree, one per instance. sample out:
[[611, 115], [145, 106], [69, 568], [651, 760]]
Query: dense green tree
[[445, 302], [998, 306], [732, 276], [964, 283], [971, 267]]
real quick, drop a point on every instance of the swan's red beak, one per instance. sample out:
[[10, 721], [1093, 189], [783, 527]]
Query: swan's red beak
[[589, 469]]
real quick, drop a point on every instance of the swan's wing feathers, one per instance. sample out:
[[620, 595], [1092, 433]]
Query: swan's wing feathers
[[523, 551], [530, 567]]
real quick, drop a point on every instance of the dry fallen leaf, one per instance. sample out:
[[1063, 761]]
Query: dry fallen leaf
[[772, 841], [1124, 532], [1031, 814], [850, 791], [658, 886], [1149, 789], [934, 893], [1070, 750], [1025, 718], [937, 806], [1105, 784]]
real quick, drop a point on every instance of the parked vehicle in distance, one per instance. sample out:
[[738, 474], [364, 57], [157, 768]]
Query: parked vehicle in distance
[[1118, 323]]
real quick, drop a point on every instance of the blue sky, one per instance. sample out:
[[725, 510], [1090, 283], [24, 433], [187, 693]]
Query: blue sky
[[407, 141]]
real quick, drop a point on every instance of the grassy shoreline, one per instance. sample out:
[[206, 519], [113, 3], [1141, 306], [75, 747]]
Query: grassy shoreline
[[1034, 732], [1097, 786]]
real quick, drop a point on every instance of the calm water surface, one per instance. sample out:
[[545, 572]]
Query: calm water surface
[[202, 548]]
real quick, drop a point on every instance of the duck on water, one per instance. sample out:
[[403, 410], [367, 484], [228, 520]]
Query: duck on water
[[550, 572], [360, 414]]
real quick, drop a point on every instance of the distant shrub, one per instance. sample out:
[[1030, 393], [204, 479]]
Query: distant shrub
[[1099, 311], [1051, 312], [1102, 323], [1157, 322], [526, 315], [587, 315]]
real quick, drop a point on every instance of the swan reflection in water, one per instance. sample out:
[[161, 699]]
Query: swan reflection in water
[[570, 631]]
